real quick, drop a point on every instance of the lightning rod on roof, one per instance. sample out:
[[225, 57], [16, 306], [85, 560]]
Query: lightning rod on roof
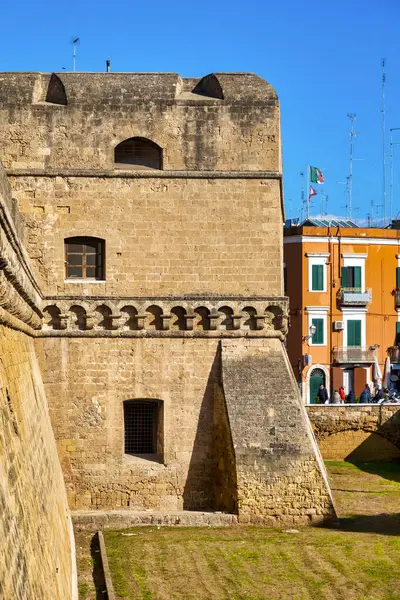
[[75, 41]]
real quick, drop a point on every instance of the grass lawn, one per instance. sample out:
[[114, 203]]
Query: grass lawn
[[359, 558]]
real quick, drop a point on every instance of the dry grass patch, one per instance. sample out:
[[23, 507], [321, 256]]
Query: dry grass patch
[[252, 563], [356, 559]]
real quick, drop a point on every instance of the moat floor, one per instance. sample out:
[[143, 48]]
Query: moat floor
[[358, 558]]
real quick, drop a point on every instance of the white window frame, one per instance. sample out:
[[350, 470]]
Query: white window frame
[[349, 314], [317, 258], [356, 260], [318, 312]]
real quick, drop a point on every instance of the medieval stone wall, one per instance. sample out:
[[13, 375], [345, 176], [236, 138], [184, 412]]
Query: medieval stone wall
[[358, 433], [162, 236], [195, 130], [193, 259], [37, 557], [88, 380]]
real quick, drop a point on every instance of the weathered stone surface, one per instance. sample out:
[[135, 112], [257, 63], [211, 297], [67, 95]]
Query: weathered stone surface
[[280, 474], [201, 233], [37, 558], [364, 432], [120, 519]]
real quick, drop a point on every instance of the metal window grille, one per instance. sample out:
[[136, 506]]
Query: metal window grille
[[140, 427]]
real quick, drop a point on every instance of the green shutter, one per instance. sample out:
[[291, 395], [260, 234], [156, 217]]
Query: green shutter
[[345, 277], [318, 337], [357, 277], [354, 333], [398, 277], [398, 332], [317, 284]]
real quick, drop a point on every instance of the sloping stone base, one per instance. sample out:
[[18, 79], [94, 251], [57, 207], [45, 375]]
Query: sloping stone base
[[281, 478]]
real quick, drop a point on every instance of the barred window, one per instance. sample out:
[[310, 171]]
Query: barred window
[[142, 426], [84, 258]]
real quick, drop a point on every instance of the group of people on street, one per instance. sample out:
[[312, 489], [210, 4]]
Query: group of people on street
[[339, 396]]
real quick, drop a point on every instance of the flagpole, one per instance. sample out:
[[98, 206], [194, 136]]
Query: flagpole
[[308, 191]]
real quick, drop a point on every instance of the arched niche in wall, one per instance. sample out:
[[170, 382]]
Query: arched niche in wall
[[138, 153], [56, 93], [209, 86]]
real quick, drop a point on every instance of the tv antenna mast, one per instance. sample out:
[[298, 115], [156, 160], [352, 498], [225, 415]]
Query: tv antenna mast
[[392, 143], [75, 41], [383, 140], [302, 195], [352, 117]]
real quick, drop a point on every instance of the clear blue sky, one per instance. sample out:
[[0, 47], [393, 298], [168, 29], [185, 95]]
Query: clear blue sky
[[323, 58]]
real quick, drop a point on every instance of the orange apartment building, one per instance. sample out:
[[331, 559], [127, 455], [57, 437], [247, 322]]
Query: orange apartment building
[[343, 283]]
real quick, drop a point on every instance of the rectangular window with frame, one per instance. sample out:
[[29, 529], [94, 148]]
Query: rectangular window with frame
[[317, 279], [351, 278], [318, 335], [354, 333], [84, 258]]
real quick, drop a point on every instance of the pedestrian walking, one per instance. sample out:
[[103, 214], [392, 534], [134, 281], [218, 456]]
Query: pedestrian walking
[[342, 394], [323, 395], [365, 397], [336, 397]]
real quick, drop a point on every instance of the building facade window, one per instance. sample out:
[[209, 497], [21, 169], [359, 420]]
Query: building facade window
[[317, 275], [397, 332], [143, 430], [351, 278], [318, 335], [84, 258], [318, 319], [354, 332], [317, 280], [353, 271]]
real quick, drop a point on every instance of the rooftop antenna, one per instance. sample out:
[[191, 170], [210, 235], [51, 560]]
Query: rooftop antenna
[[75, 41], [392, 143], [383, 141], [302, 194], [323, 202], [352, 117], [346, 183]]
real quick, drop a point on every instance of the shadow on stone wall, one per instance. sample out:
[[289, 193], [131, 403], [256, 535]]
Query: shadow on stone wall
[[373, 448], [211, 481]]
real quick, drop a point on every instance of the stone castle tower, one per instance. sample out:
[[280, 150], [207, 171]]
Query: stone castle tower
[[151, 214]]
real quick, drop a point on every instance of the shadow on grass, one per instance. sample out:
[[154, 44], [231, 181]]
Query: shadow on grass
[[385, 524], [384, 468], [98, 573]]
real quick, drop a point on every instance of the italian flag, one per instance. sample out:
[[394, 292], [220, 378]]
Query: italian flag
[[316, 175]]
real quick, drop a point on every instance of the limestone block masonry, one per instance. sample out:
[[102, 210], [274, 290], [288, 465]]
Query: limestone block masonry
[[37, 556], [187, 312], [360, 432]]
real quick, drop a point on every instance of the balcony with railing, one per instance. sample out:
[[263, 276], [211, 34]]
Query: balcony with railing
[[354, 354], [348, 296]]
